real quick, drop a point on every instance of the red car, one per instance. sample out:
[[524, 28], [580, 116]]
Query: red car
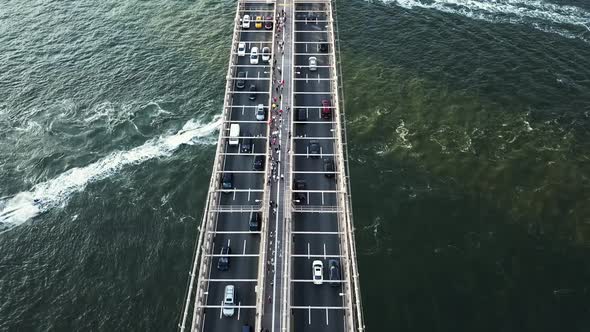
[[326, 109], [268, 23]]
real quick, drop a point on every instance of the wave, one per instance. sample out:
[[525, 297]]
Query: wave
[[548, 17], [56, 192]]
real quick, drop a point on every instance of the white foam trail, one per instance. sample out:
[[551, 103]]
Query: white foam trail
[[56, 192], [506, 11]]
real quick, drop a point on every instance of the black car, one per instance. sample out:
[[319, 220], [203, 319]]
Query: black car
[[241, 81], [314, 149], [301, 114], [255, 220], [252, 92], [323, 46], [258, 163], [227, 181], [329, 167], [299, 197], [247, 144], [334, 268], [223, 262]]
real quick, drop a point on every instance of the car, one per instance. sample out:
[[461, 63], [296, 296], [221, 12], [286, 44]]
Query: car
[[260, 114], [229, 300], [266, 54], [227, 182], [241, 49], [301, 114], [223, 262], [255, 220], [246, 22], [268, 23], [254, 55], [258, 24], [314, 149], [241, 81], [258, 164], [247, 144], [317, 268], [299, 197], [313, 63], [329, 167], [326, 109], [323, 45], [334, 272], [252, 92]]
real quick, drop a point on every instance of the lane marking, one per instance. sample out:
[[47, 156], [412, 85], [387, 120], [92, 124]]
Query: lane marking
[[244, 251], [306, 78], [221, 309], [308, 251], [249, 194], [309, 320], [325, 250], [239, 303], [322, 198], [234, 195], [327, 322]]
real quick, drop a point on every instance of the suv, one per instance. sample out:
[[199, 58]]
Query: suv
[[241, 81], [255, 220], [299, 197], [329, 167], [223, 262], [258, 164], [247, 144], [334, 268], [227, 181], [326, 110]]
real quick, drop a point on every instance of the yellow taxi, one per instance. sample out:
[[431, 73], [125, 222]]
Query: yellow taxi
[[258, 24]]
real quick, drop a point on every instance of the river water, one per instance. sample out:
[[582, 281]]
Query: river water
[[469, 140]]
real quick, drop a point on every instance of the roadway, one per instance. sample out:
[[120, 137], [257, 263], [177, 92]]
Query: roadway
[[315, 235], [232, 226]]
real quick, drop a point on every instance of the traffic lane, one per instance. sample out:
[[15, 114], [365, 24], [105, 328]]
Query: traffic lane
[[240, 198], [316, 181], [324, 245], [235, 222], [213, 322], [309, 294], [301, 129], [311, 26], [301, 224], [315, 320], [314, 85], [301, 146]]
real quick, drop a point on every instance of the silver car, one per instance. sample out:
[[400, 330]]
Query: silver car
[[260, 112], [313, 63], [229, 301]]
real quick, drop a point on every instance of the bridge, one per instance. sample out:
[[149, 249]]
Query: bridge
[[276, 248]]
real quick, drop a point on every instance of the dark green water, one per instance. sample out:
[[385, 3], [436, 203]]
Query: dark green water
[[468, 125]]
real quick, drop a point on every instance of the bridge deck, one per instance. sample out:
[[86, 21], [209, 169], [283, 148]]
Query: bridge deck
[[301, 192]]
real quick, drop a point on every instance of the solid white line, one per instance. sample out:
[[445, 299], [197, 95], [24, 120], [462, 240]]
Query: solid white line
[[309, 320], [324, 250], [308, 251], [228, 244], [235, 195], [220, 310], [240, 308], [322, 198], [249, 194], [327, 323], [244, 252]]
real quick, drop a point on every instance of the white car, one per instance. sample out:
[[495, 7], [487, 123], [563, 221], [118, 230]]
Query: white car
[[313, 63], [241, 49], [254, 55], [266, 54], [246, 21], [260, 112], [229, 300], [318, 272]]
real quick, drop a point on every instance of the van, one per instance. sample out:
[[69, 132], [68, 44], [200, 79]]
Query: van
[[234, 133], [229, 300], [254, 224]]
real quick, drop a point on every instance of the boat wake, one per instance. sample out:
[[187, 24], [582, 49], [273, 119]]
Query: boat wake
[[567, 21], [19, 208]]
